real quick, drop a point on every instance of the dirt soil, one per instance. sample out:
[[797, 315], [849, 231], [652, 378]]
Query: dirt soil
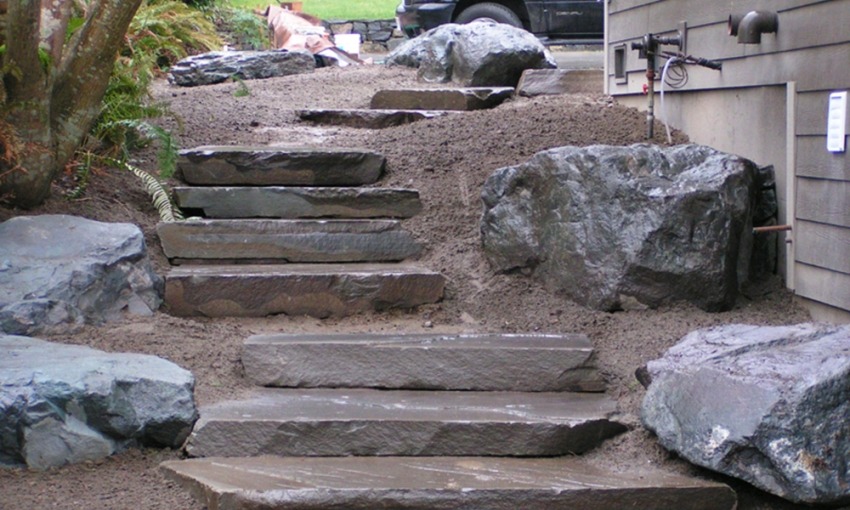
[[447, 160]]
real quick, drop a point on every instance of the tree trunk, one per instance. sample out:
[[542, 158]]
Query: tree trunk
[[52, 109]]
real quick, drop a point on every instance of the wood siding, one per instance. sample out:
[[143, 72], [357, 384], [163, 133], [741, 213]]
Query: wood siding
[[810, 49]]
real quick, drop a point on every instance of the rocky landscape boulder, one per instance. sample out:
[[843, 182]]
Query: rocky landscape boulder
[[62, 404], [769, 405], [58, 272], [219, 66], [620, 227], [478, 54]]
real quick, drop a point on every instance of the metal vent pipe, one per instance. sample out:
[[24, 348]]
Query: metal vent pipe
[[750, 26]]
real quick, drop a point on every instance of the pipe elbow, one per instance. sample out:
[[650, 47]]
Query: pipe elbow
[[753, 24]]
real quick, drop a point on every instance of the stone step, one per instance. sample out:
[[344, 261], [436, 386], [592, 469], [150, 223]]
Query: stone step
[[539, 82], [278, 241], [368, 119], [483, 362], [441, 483], [471, 98], [340, 422], [278, 166], [296, 202], [318, 290]]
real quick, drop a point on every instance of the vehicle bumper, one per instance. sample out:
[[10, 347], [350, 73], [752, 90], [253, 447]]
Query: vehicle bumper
[[415, 19]]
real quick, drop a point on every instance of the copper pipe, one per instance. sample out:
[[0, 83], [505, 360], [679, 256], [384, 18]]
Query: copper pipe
[[771, 228]]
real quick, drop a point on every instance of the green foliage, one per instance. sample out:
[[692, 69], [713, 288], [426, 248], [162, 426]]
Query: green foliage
[[161, 199], [242, 90], [242, 27]]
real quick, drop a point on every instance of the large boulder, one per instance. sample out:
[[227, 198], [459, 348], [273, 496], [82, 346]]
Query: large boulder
[[769, 405], [219, 66], [58, 272], [618, 227], [63, 404], [477, 54]]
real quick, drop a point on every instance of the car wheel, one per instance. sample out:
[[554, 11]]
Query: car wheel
[[496, 12]]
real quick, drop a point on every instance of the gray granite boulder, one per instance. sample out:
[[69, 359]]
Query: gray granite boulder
[[62, 404], [58, 272], [477, 54], [769, 405], [619, 227], [219, 66]]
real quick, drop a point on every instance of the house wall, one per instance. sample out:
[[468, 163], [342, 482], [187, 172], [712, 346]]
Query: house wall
[[768, 104]]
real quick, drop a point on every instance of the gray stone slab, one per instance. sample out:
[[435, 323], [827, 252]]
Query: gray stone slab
[[279, 166], [441, 483], [486, 362], [318, 290], [538, 82], [368, 119], [471, 98], [281, 241], [339, 422], [293, 202]]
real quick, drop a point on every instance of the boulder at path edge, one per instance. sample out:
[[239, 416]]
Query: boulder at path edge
[[477, 54], [58, 272], [769, 405], [219, 66], [619, 227], [62, 404]]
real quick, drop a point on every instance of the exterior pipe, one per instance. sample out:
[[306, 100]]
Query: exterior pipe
[[755, 23]]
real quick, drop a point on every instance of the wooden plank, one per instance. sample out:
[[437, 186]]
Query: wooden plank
[[823, 285], [824, 246], [813, 160], [824, 201]]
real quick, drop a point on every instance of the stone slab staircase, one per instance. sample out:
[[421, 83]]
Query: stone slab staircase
[[420, 422], [291, 231]]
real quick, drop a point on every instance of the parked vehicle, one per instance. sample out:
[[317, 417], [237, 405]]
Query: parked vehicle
[[553, 21]]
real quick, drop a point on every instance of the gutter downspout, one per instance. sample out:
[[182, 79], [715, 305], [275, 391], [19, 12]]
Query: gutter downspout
[[790, 182]]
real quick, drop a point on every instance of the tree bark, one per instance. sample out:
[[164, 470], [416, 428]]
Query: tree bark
[[53, 109]]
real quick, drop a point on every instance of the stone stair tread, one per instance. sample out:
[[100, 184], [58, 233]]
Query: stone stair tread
[[319, 290], [368, 118], [464, 99], [290, 202], [438, 483], [334, 422], [223, 165], [483, 362], [281, 241]]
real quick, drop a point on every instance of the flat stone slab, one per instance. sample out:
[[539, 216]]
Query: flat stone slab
[[441, 483], [279, 166], [368, 119], [539, 82], [279, 241], [340, 422], [485, 362], [318, 290], [471, 98], [295, 202]]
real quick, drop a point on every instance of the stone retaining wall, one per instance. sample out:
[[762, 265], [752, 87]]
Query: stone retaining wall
[[375, 36]]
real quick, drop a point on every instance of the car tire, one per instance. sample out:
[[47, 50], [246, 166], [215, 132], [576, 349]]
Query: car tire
[[487, 10]]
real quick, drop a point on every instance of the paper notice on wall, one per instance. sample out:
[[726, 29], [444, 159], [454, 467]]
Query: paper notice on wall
[[836, 122]]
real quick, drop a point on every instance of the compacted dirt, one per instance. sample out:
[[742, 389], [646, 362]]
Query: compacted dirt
[[447, 160]]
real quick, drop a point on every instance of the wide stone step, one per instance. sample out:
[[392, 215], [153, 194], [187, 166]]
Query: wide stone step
[[368, 119], [486, 362], [339, 422], [297, 202], [277, 241], [318, 290], [471, 98], [279, 166], [441, 483]]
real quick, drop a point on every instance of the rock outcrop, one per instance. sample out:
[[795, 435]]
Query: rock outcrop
[[58, 272], [618, 227], [478, 54], [219, 66], [769, 405], [62, 404]]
